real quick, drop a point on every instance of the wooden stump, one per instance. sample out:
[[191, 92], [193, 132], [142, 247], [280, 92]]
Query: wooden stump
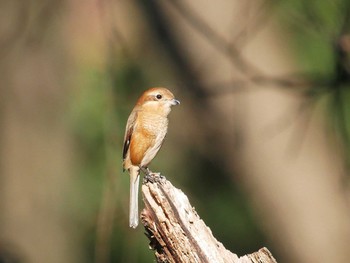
[[177, 234]]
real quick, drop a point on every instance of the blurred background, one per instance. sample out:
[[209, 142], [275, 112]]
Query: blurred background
[[260, 142]]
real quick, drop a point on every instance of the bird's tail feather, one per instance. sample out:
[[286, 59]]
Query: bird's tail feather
[[134, 196]]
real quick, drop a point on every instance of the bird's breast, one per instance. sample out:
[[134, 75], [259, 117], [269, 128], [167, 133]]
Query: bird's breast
[[154, 129], [153, 124]]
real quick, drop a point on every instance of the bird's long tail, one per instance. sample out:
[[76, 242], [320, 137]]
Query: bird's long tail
[[134, 197]]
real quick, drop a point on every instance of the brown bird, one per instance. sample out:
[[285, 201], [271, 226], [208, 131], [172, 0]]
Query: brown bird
[[144, 134]]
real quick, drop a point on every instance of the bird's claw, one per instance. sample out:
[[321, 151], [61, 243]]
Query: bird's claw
[[151, 176], [150, 179]]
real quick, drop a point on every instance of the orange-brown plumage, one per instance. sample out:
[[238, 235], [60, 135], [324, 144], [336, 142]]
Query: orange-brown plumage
[[145, 131], [141, 141]]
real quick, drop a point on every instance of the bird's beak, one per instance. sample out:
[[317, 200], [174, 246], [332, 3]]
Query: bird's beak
[[174, 102]]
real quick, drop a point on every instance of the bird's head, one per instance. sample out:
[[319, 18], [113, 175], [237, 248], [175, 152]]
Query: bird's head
[[157, 100]]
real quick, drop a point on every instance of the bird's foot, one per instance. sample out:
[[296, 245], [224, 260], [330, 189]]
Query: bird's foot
[[151, 176]]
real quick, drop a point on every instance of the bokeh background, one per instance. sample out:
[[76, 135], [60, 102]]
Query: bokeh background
[[259, 143]]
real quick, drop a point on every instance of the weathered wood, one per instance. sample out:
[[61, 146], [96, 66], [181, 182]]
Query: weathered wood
[[176, 232]]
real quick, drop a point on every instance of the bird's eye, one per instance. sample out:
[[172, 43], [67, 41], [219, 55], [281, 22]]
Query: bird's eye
[[159, 96]]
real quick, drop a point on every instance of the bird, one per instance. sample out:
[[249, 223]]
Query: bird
[[145, 131]]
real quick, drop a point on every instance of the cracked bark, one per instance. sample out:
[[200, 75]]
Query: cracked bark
[[177, 234]]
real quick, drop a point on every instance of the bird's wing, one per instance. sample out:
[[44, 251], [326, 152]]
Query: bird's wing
[[128, 132]]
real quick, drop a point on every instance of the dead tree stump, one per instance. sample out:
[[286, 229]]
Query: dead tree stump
[[177, 234]]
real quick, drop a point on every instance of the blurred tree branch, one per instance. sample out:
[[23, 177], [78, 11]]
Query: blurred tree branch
[[17, 28], [314, 84], [36, 153]]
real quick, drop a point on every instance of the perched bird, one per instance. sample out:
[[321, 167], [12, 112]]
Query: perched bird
[[144, 134]]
